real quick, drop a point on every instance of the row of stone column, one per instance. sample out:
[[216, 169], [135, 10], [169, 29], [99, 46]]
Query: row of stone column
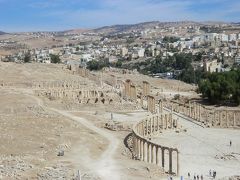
[[152, 153], [72, 94], [146, 88], [130, 91], [151, 104], [192, 110], [227, 118], [155, 124], [147, 151], [218, 118], [58, 84]]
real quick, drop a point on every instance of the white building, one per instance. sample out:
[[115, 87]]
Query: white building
[[223, 37], [237, 59], [141, 52], [232, 37], [124, 51]]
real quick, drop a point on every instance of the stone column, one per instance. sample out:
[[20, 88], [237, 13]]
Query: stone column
[[147, 127], [178, 167], [157, 158], [200, 118], [170, 161], [144, 151], [152, 146], [166, 121], [234, 118], [163, 157], [141, 101], [227, 123], [148, 152], [150, 121], [220, 118], [158, 128], [141, 150], [190, 112], [160, 106]]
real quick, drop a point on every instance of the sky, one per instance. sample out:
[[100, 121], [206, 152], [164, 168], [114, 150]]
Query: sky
[[55, 15]]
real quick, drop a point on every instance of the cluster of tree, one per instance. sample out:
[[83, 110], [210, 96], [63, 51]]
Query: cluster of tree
[[180, 64], [97, 65], [170, 39], [221, 87], [55, 58], [27, 58]]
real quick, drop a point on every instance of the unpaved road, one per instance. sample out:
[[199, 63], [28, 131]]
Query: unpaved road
[[105, 167]]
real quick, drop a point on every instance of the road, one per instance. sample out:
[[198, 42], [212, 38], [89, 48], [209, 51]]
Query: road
[[105, 167]]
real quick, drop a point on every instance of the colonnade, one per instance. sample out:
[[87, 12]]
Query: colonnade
[[151, 105], [58, 84], [226, 118], [214, 118], [146, 88], [75, 96], [130, 91], [75, 69], [150, 152]]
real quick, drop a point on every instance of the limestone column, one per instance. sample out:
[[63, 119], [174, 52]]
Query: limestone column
[[148, 152], [170, 161], [220, 115], [141, 101], [227, 123], [200, 118], [234, 118], [147, 127], [157, 158], [163, 157], [166, 121], [190, 112], [144, 151], [158, 128], [141, 150], [178, 163], [152, 146]]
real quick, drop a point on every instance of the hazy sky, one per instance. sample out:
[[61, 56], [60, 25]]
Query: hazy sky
[[34, 15]]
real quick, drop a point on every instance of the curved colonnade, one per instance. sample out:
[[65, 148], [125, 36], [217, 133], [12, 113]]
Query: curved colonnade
[[165, 157]]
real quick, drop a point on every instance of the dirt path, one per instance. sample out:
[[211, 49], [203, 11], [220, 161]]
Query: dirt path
[[105, 167]]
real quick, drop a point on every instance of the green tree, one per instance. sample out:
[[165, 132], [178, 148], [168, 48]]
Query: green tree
[[55, 58], [27, 58], [221, 87]]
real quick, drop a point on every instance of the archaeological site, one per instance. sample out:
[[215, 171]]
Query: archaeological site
[[66, 122]]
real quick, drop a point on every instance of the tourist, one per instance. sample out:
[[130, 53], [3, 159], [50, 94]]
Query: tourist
[[197, 177], [201, 177], [214, 174], [230, 143], [189, 175], [194, 177], [210, 172]]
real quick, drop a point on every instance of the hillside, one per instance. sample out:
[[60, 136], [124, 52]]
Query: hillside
[[2, 33]]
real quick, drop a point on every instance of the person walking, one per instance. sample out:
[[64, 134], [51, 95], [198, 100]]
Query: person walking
[[230, 143]]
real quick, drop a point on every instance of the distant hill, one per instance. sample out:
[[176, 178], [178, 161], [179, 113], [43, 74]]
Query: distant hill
[[140, 26], [75, 31], [2, 33]]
